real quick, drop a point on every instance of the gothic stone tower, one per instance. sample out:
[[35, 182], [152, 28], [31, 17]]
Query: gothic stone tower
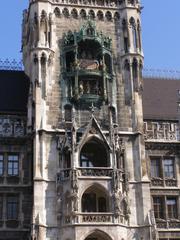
[[84, 60]]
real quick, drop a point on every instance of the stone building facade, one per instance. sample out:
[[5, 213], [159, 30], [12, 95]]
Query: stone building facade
[[81, 162]]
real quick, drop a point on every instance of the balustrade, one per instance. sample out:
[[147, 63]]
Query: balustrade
[[96, 217], [65, 174], [167, 182], [96, 172], [168, 223]]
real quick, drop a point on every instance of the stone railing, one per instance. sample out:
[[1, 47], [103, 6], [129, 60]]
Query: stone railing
[[96, 172], [88, 218], [11, 126], [160, 182], [65, 174], [96, 217], [172, 223], [162, 131]]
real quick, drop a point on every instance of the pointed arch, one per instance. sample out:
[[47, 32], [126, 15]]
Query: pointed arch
[[83, 14], [135, 71], [116, 16], [91, 14], [65, 12], [125, 35], [98, 234], [109, 16], [134, 32], [57, 12], [139, 35], [100, 15], [74, 13], [127, 82], [95, 199], [94, 153]]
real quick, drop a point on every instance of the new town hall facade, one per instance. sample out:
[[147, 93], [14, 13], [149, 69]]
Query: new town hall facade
[[89, 150]]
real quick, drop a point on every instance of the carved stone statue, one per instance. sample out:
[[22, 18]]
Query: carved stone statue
[[117, 202]]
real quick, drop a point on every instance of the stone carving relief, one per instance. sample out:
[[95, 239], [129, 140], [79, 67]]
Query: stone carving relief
[[12, 127], [74, 187], [166, 131]]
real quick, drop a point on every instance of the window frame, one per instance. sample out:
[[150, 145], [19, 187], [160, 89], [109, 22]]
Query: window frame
[[13, 170], [168, 167], [12, 207], [1, 162], [158, 208], [172, 209]]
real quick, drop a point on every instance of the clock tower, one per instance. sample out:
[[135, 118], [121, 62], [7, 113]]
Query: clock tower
[[84, 59]]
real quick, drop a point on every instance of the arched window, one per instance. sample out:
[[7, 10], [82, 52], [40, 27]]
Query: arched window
[[108, 16], [94, 200], [74, 13], [94, 154], [83, 14], [139, 34], [134, 33], [65, 12], [43, 59], [127, 83], [100, 15], [116, 16], [91, 14], [108, 64], [98, 235], [57, 12], [134, 68], [125, 35], [68, 112]]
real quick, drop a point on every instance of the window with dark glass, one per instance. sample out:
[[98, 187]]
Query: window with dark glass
[[155, 168], [171, 207], [158, 207], [93, 154], [94, 200], [12, 208], [13, 165], [89, 202], [1, 164], [1, 207], [168, 168]]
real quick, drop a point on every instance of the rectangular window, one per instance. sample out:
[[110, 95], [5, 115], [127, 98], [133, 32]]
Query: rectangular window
[[155, 167], [158, 207], [12, 208], [13, 165], [172, 207], [1, 207], [1, 164], [168, 168]]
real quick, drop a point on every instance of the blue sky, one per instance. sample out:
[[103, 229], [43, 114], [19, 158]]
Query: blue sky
[[160, 28]]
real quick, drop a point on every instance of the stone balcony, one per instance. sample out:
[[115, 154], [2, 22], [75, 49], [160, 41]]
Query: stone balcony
[[93, 218], [95, 172]]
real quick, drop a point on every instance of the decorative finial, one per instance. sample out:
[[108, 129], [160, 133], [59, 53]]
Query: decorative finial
[[92, 108]]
